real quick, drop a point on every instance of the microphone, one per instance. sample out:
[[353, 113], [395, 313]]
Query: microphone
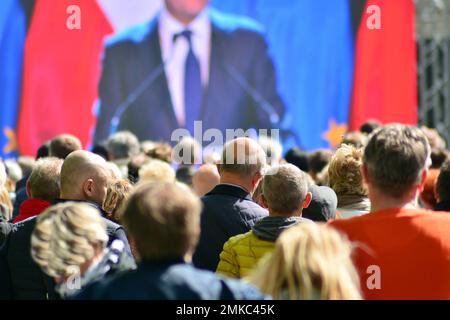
[[254, 94], [134, 95]]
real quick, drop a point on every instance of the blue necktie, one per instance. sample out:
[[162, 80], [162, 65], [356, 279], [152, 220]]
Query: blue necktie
[[192, 86]]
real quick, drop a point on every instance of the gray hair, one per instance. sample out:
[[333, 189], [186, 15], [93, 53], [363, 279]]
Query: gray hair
[[123, 145], [395, 157], [284, 187], [2, 174], [243, 156], [44, 179], [273, 149]]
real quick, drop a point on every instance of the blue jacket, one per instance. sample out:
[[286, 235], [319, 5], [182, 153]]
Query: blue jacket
[[237, 44], [169, 280], [227, 211]]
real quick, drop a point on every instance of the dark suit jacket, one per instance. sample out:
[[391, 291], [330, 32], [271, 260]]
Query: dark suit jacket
[[130, 57], [22, 277], [227, 211], [169, 280]]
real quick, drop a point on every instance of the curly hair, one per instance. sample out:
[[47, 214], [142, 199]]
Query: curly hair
[[344, 171]]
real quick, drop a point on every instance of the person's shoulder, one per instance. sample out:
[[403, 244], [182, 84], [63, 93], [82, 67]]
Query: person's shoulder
[[133, 35], [239, 240], [234, 23]]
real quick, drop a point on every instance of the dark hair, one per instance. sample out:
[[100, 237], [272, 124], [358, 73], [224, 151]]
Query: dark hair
[[370, 126], [43, 151], [298, 158], [101, 150], [438, 157], [443, 182], [319, 160]]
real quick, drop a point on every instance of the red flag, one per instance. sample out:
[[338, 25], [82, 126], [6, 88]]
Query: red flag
[[61, 72], [385, 82]]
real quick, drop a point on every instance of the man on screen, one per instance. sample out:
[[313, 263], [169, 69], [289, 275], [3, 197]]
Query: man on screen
[[189, 63]]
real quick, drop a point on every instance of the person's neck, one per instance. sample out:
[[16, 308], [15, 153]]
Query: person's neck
[[184, 19], [243, 184], [380, 201], [296, 214]]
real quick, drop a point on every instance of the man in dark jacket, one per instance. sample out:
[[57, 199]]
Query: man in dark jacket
[[84, 177], [164, 222], [228, 210], [443, 188]]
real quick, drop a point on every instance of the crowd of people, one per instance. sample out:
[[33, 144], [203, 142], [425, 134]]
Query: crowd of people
[[146, 220]]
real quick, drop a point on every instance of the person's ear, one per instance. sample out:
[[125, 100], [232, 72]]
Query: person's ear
[[88, 188], [263, 202], [256, 179], [365, 174], [28, 189], [307, 200]]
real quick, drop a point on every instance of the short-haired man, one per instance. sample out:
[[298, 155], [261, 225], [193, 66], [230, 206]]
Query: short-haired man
[[163, 219], [228, 209], [84, 178], [285, 194], [122, 147], [42, 188], [63, 145], [443, 188], [403, 252]]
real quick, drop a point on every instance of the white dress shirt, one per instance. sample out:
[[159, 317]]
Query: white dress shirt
[[174, 54]]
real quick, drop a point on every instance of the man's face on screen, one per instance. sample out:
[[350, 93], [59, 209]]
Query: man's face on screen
[[185, 10]]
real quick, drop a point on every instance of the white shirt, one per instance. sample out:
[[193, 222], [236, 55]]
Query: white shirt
[[174, 54]]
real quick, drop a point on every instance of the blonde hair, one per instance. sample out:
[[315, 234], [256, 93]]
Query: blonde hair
[[117, 193], [344, 171], [309, 258], [64, 237], [157, 171]]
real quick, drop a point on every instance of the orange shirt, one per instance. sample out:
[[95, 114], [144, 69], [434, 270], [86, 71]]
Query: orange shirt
[[401, 253]]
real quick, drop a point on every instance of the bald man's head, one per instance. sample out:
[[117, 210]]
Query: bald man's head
[[243, 156], [84, 176], [205, 179]]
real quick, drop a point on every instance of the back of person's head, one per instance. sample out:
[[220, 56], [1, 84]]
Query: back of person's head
[[43, 151], [369, 126], [355, 138], [443, 183], [323, 204], [273, 149], [438, 157], [66, 237], [395, 159], [101, 150], [161, 151], [5, 200], [84, 176], [63, 145], [14, 170], [118, 192], [298, 158], [187, 151], [185, 174], [44, 180], [122, 145], [310, 261], [135, 164], [205, 179], [434, 138], [318, 160], [163, 221], [243, 158], [3, 175], [156, 171], [344, 172], [26, 165], [285, 190]]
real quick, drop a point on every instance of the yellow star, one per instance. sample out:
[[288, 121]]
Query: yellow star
[[12, 141], [335, 133]]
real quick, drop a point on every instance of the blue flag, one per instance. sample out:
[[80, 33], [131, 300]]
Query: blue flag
[[12, 41], [312, 44]]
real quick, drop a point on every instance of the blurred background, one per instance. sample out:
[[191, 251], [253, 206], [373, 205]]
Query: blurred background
[[334, 72]]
